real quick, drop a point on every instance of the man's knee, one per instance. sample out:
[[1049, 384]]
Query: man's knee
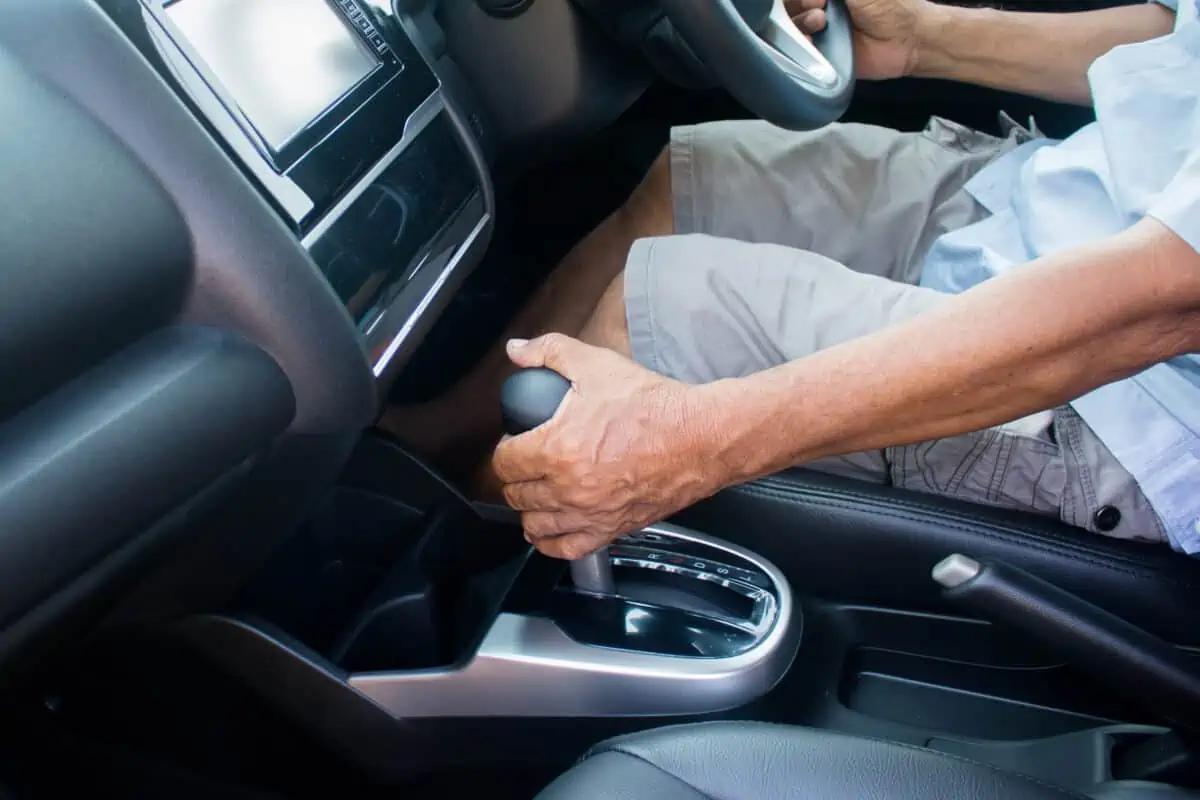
[[608, 326], [650, 210], [648, 213]]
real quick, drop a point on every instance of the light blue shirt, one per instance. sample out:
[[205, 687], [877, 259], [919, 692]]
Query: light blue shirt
[[1140, 157]]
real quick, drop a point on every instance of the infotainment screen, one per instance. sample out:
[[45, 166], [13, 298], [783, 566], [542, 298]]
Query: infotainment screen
[[282, 61]]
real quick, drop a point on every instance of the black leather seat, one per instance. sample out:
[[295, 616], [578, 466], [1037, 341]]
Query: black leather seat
[[874, 545], [757, 761]]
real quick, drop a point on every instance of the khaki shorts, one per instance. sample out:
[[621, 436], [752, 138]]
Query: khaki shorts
[[790, 243]]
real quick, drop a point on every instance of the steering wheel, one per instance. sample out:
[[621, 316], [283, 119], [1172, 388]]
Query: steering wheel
[[764, 61]]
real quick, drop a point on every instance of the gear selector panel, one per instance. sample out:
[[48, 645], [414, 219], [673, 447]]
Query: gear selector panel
[[673, 595], [693, 625], [686, 558]]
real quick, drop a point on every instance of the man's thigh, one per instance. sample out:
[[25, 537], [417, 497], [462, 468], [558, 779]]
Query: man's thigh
[[701, 308], [870, 198]]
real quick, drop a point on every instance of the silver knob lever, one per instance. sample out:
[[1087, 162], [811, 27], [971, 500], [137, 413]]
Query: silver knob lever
[[593, 574]]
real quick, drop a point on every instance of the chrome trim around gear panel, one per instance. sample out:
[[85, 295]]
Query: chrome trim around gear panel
[[528, 667]]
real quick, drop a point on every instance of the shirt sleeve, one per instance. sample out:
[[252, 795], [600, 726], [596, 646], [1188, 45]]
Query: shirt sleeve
[[1178, 207], [1171, 4]]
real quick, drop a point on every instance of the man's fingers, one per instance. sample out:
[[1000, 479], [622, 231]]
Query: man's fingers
[[531, 496], [570, 546], [540, 525], [798, 7], [519, 459], [811, 21], [554, 350]]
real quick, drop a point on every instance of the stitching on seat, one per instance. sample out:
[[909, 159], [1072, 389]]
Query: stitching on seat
[[934, 510], [903, 745], [987, 529], [1041, 542], [781, 489], [1044, 542]]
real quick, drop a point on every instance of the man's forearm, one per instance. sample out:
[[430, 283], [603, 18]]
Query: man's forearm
[[1019, 344], [1041, 54]]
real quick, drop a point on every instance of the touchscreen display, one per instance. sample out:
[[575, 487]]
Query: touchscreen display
[[282, 61]]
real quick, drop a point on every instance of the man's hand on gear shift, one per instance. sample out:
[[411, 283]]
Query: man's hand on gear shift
[[627, 448], [886, 32]]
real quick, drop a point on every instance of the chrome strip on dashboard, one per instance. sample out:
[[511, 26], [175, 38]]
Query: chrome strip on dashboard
[[528, 667], [416, 122], [376, 335], [455, 261]]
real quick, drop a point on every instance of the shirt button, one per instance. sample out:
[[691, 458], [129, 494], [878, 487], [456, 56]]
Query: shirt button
[[1107, 519]]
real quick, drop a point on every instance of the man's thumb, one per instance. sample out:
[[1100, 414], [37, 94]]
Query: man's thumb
[[552, 350]]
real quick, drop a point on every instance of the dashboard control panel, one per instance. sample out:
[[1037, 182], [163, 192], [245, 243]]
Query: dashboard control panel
[[363, 23], [309, 94], [336, 113]]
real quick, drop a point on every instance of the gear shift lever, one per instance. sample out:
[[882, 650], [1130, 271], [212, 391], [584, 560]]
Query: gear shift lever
[[528, 399]]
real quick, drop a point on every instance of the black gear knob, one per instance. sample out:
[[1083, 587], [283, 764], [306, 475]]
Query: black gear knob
[[528, 399]]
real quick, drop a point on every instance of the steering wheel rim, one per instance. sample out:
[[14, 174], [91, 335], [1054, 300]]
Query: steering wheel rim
[[775, 71]]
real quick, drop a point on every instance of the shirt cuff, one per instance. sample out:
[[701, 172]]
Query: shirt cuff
[[1179, 205], [1171, 4]]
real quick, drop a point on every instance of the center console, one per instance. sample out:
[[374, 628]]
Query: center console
[[402, 616], [696, 626], [341, 115]]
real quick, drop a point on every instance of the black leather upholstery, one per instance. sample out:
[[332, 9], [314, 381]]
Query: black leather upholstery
[[859, 543], [757, 761]]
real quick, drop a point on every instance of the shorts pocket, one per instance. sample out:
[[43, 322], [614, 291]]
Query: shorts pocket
[[996, 467]]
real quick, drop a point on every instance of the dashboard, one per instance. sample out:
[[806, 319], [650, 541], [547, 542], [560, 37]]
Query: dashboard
[[224, 227], [331, 107]]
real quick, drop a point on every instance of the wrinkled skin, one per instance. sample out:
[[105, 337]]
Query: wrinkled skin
[[885, 32], [626, 449]]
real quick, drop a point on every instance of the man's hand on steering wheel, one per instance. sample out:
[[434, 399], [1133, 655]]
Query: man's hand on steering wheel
[[886, 32]]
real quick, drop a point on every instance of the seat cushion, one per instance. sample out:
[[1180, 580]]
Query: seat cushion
[[758, 761]]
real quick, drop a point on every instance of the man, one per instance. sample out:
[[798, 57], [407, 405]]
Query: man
[[849, 299]]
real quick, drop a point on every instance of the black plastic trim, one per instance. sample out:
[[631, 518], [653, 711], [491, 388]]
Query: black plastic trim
[[107, 455], [250, 275], [93, 252]]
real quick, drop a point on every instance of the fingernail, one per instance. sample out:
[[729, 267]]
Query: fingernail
[[516, 344]]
